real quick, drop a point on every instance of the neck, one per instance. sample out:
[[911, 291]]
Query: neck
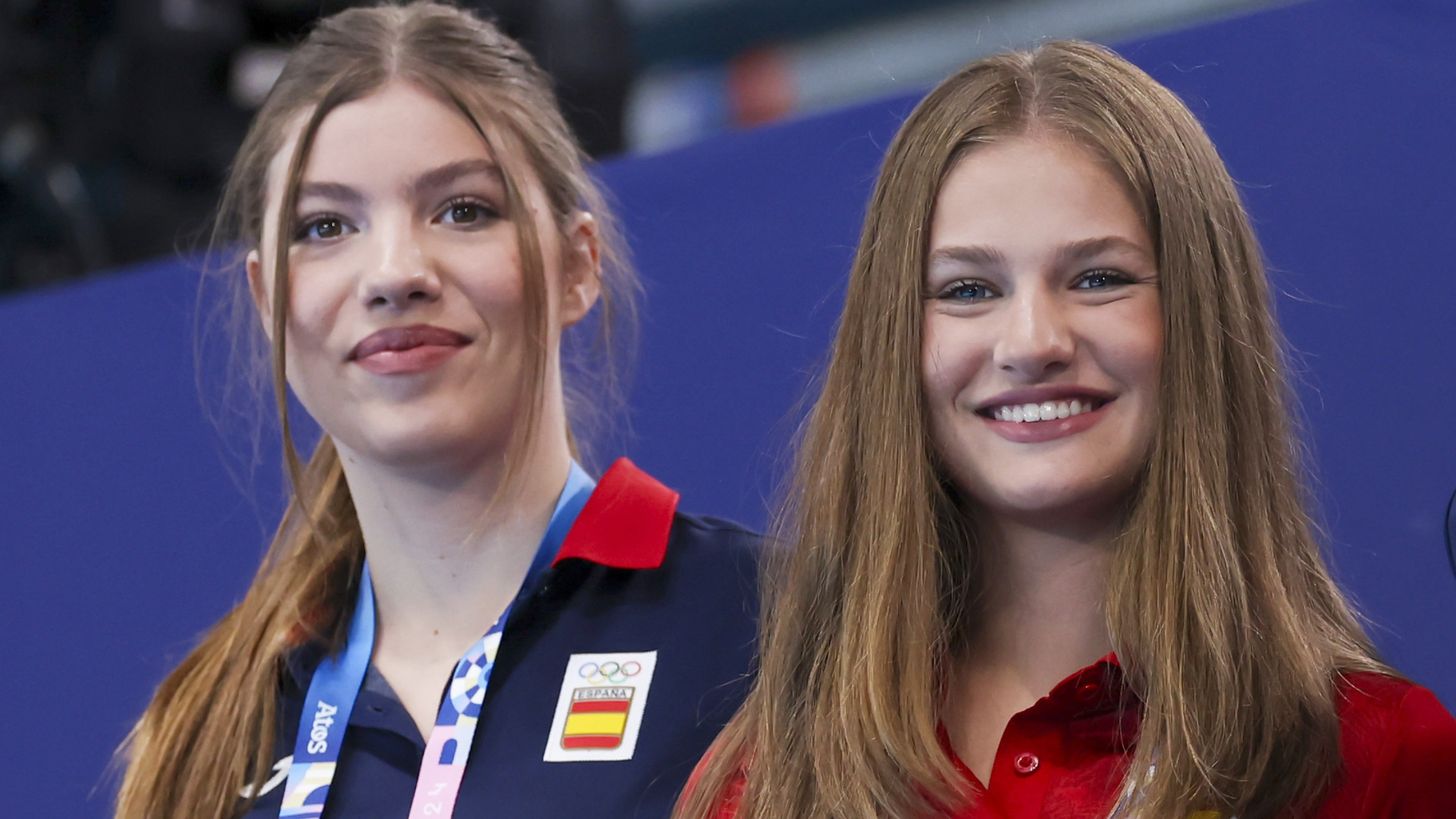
[[1042, 616], [1040, 619], [448, 550]]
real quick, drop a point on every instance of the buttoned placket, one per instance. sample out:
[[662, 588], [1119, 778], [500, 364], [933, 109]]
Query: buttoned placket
[[1074, 728]]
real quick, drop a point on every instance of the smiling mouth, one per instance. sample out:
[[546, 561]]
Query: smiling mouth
[[1044, 411]]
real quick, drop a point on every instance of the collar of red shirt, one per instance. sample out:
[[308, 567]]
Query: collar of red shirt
[[1094, 703], [1095, 689], [625, 523]]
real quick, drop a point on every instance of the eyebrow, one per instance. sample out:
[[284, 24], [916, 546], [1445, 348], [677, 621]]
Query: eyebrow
[[449, 172], [968, 254], [330, 190], [1087, 248], [983, 256], [432, 179]]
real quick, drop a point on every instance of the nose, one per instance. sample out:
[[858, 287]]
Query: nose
[[398, 273], [1036, 340]]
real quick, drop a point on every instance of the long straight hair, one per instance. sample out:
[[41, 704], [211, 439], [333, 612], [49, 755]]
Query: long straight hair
[[1231, 630], [210, 730]]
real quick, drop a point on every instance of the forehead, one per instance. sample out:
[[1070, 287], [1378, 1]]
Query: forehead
[[381, 141], [1030, 190]]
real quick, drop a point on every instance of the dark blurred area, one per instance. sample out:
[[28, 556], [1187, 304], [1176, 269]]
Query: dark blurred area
[[118, 120]]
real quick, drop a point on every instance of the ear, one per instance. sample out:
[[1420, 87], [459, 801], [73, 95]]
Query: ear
[[581, 264], [258, 288]]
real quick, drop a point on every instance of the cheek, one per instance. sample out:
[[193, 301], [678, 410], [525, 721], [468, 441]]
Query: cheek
[[319, 330], [492, 281], [951, 358], [315, 300], [1131, 353], [496, 297], [1136, 355]]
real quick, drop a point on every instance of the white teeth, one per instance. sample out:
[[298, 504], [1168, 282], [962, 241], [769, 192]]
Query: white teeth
[[1045, 411]]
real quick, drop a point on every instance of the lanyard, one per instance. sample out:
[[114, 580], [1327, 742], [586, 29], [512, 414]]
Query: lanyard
[[336, 682]]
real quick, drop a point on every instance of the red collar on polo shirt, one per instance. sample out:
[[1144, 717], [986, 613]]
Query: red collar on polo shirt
[[1069, 748], [1067, 753], [625, 522]]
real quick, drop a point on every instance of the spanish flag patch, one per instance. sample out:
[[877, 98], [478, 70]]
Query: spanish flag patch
[[599, 710]]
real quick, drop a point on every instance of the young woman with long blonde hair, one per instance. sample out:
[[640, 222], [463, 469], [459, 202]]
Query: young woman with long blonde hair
[[1048, 551], [423, 245]]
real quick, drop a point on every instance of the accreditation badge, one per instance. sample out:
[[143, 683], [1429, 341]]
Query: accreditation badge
[[599, 710]]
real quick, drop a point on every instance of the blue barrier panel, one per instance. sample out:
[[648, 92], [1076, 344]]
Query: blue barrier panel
[[123, 535]]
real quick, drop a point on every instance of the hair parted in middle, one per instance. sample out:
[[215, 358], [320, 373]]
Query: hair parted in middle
[[210, 728], [1221, 608]]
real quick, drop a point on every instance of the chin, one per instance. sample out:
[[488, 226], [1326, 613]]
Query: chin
[[421, 443], [1052, 502], [413, 452]]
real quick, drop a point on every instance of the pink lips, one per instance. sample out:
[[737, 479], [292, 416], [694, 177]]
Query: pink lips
[[1038, 431], [1035, 432], [403, 350]]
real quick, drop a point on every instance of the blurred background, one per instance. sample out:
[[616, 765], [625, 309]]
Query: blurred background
[[135, 503], [118, 119]]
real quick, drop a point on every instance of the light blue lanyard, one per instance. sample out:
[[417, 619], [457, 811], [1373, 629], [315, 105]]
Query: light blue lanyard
[[337, 680]]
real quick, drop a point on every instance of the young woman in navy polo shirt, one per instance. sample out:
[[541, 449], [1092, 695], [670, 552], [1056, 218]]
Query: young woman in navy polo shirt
[[453, 618], [1051, 552]]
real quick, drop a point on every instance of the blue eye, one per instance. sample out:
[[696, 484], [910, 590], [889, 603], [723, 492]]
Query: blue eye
[[1100, 280], [321, 228], [968, 290]]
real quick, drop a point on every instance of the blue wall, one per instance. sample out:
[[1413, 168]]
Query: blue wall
[[123, 536]]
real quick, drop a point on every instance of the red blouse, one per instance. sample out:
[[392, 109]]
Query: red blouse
[[1065, 756]]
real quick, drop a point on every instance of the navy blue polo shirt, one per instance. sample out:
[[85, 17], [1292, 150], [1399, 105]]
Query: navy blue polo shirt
[[634, 584]]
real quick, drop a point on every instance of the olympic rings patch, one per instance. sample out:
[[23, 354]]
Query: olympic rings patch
[[609, 672]]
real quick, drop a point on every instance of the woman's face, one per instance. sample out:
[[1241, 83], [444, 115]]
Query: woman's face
[[406, 330], [1042, 332]]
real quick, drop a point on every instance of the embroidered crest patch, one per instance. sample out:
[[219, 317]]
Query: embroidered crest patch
[[599, 710]]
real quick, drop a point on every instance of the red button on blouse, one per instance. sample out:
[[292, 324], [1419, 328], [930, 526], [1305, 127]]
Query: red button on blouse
[[1397, 742]]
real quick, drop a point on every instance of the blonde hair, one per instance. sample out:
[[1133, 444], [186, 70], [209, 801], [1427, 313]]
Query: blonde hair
[[1227, 621], [210, 729]]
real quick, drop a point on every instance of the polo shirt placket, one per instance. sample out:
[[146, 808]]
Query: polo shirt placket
[[1066, 749]]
